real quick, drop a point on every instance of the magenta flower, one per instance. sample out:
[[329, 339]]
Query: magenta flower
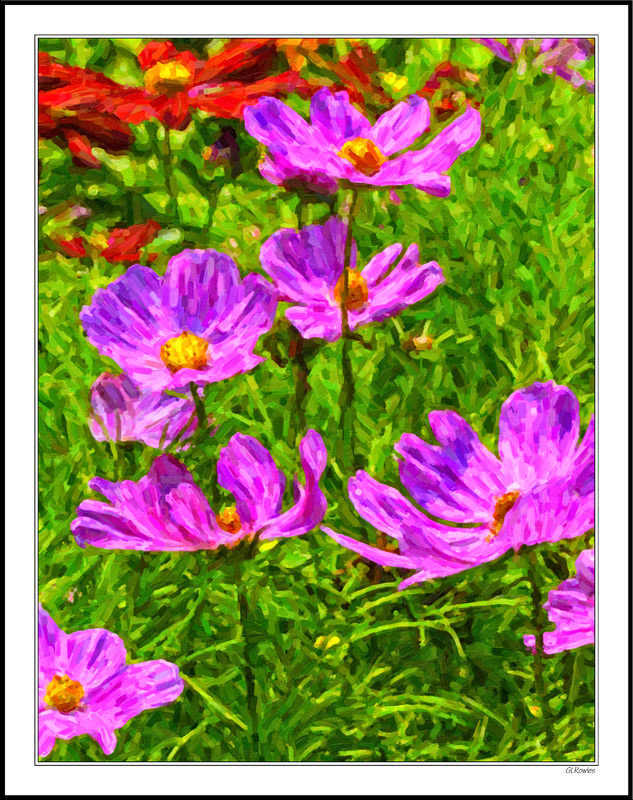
[[555, 56], [571, 609], [540, 490], [123, 412], [199, 323], [341, 144], [85, 686], [166, 511], [307, 269]]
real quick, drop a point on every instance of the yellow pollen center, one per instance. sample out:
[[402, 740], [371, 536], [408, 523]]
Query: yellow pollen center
[[357, 291], [503, 504], [186, 351], [364, 155], [167, 77], [229, 520], [63, 693]]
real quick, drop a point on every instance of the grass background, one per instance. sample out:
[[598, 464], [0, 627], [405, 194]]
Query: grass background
[[346, 667]]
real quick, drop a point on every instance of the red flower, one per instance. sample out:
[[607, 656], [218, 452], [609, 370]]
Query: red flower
[[71, 247], [125, 244], [73, 105], [453, 82], [222, 85]]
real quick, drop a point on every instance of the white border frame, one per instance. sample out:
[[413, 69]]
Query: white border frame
[[610, 24]]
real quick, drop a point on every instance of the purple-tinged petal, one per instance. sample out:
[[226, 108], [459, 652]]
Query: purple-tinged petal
[[127, 317], [441, 152], [51, 641], [382, 557], [408, 283], [548, 44], [92, 656], [199, 288], [305, 264], [384, 507], [134, 689], [279, 171], [401, 126], [458, 480], [317, 321], [571, 608], [582, 468], [273, 123], [311, 505], [517, 45], [139, 514], [247, 470], [335, 118], [538, 432], [251, 317], [378, 266], [497, 48], [55, 725], [548, 513], [122, 412]]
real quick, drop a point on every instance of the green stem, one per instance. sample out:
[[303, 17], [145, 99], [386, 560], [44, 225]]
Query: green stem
[[249, 650], [537, 602], [168, 164], [199, 404], [300, 373], [346, 442]]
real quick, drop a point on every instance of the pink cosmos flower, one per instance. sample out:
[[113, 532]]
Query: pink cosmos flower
[[555, 56], [123, 412], [307, 268], [85, 686], [540, 490], [341, 144], [571, 609], [197, 324], [166, 511]]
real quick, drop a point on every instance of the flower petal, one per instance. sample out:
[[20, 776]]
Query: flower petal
[[402, 125], [134, 689], [251, 317], [272, 123], [305, 264], [311, 504], [382, 557], [51, 640], [408, 283], [122, 412], [55, 725], [247, 470], [317, 321], [458, 480], [377, 266], [336, 118], [140, 515], [92, 656], [200, 287], [497, 48], [538, 432]]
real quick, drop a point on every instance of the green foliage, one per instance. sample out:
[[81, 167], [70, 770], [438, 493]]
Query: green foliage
[[346, 668]]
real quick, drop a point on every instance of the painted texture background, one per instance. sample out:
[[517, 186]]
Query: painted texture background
[[345, 667]]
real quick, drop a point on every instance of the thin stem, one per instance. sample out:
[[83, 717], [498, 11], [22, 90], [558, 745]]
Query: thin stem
[[537, 601], [168, 164], [300, 372], [346, 443], [249, 650], [200, 409]]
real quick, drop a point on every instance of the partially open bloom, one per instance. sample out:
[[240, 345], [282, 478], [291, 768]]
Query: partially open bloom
[[75, 104], [307, 268], [341, 143], [85, 686], [165, 510], [571, 609], [123, 412], [554, 56], [199, 323], [540, 490], [177, 82]]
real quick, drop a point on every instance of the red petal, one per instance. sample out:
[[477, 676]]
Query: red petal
[[154, 52], [80, 148], [124, 244]]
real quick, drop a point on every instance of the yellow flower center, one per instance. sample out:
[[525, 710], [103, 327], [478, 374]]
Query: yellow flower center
[[63, 693], [229, 520], [186, 351], [357, 291], [364, 155], [167, 77], [503, 504]]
